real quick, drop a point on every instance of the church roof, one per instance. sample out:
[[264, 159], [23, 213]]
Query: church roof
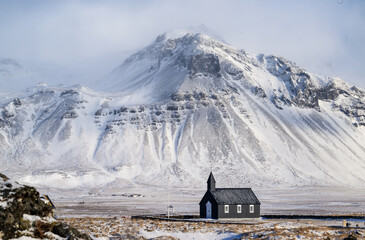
[[235, 196]]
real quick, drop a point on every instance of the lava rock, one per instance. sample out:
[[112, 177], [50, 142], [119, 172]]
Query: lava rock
[[17, 201], [68, 232]]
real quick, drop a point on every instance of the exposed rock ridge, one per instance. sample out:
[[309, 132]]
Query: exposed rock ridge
[[24, 214]]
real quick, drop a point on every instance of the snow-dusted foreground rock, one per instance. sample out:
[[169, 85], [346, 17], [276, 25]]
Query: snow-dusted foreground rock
[[24, 215]]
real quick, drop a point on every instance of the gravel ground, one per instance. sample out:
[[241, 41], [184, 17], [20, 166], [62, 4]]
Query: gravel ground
[[127, 228]]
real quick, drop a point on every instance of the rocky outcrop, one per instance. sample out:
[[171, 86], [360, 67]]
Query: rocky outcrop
[[71, 114], [351, 102], [299, 86], [23, 213], [301, 91], [207, 64]]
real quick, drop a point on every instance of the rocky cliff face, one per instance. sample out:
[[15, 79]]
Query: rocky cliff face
[[191, 62], [24, 214], [183, 106]]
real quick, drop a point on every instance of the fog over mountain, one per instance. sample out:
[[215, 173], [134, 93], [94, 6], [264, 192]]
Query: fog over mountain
[[77, 42]]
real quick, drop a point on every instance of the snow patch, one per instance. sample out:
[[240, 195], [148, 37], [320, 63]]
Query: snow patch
[[31, 218], [68, 180], [3, 204], [191, 235]]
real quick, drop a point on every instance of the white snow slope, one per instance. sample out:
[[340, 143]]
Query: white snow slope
[[181, 107]]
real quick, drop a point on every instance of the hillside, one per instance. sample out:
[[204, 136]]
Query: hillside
[[181, 107]]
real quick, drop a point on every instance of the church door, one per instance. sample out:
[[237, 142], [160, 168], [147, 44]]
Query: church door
[[208, 207]]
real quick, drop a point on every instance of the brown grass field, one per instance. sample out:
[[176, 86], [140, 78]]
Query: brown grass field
[[129, 228]]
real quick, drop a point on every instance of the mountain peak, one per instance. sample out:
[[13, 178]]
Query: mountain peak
[[176, 64], [160, 69], [197, 30], [195, 61]]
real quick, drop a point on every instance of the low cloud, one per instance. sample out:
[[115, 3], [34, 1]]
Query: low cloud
[[325, 37]]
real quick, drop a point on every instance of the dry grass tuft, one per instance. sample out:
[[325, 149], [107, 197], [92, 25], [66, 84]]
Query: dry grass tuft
[[41, 228]]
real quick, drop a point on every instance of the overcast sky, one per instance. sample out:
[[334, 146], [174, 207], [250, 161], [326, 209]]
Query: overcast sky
[[325, 37]]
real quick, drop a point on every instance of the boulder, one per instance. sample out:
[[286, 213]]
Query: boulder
[[24, 213]]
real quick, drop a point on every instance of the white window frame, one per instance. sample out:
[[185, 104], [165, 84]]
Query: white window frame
[[252, 208], [226, 208], [239, 208]]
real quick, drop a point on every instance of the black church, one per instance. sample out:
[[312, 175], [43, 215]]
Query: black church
[[228, 202]]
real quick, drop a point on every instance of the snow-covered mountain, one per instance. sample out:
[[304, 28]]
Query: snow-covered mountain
[[181, 107]]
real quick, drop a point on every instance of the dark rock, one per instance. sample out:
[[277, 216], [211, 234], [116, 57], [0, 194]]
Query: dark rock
[[175, 115], [123, 109], [17, 102], [204, 63], [286, 100], [4, 123], [176, 97], [205, 104], [98, 112], [71, 114], [188, 96], [158, 113], [6, 114], [298, 82], [302, 74], [275, 100], [189, 105], [25, 200], [259, 92], [68, 232], [350, 237], [68, 92], [172, 108], [200, 96], [328, 92], [22, 200], [219, 104], [214, 97], [234, 72], [357, 91], [41, 228], [5, 178]]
